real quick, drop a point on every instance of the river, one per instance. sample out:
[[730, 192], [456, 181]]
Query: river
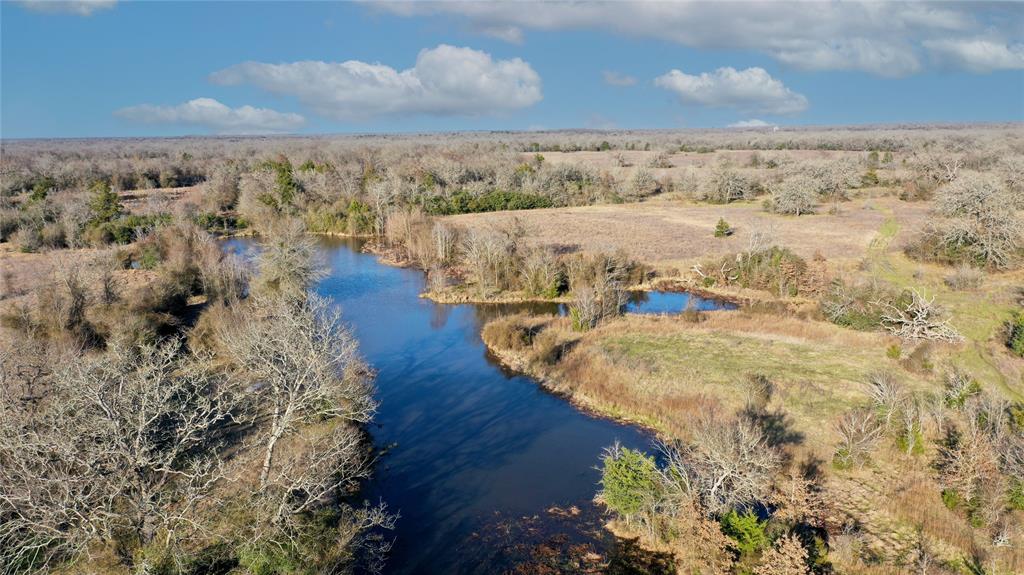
[[481, 464]]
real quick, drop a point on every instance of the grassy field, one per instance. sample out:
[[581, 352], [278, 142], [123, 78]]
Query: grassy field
[[669, 233]]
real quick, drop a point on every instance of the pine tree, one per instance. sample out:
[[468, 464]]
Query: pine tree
[[722, 229], [105, 204]]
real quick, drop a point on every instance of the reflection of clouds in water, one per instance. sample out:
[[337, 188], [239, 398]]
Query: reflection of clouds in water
[[468, 440]]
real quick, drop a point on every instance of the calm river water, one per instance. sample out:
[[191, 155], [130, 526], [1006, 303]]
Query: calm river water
[[474, 457]]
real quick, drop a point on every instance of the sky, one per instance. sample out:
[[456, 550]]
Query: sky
[[107, 68]]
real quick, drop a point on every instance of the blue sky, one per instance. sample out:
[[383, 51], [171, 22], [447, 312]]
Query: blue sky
[[104, 68]]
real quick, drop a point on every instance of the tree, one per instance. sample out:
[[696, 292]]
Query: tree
[[746, 531], [305, 366], [859, 433], [975, 221], [726, 185], [795, 195], [104, 204], [629, 481], [126, 447], [722, 228], [725, 464], [287, 263], [787, 557]]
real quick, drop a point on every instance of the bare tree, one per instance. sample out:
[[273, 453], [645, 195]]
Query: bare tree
[[445, 242], [859, 433], [128, 444], [977, 216], [726, 464], [303, 362], [795, 195], [918, 318], [969, 465], [540, 273], [602, 297], [288, 263], [887, 395], [787, 557]]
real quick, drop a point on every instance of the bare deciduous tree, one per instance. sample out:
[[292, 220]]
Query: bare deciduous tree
[[859, 433], [726, 464], [795, 195], [787, 557], [128, 444], [304, 364], [917, 319], [288, 263], [446, 240], [887, 395], [977, 220]]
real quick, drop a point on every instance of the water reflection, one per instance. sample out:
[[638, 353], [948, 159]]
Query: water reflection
[[466, 439]]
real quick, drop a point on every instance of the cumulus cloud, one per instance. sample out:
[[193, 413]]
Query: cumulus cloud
[[751, 90], [211, 114], [446, 80], [753, 123], [978, 55], [615, 79], [884, 38], [79, 7]]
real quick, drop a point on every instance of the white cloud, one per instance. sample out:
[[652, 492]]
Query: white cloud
[[79, 7], [446, 80], [752, 90], [978, 55], [613, 78], [754, 123], [510, 34], [211, 114], [885, 38]]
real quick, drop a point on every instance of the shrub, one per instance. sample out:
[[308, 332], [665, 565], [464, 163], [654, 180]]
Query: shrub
[[950, 498], [959, 387], [726, 185], [629, 480], [53, 236], [125, 229], [774, 269], [964, 277], [1015, 495], [1015, 339], [463, 202], [722, 228], [787, 557], [860, 306], [510, 333], [27, 239]]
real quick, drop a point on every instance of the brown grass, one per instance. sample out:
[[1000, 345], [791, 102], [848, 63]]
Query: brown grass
[[666, 233]]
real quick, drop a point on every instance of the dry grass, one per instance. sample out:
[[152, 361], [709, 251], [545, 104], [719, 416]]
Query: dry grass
[[666, 233], [661, 371]]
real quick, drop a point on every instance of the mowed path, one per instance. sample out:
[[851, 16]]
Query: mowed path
[[674, 232]]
